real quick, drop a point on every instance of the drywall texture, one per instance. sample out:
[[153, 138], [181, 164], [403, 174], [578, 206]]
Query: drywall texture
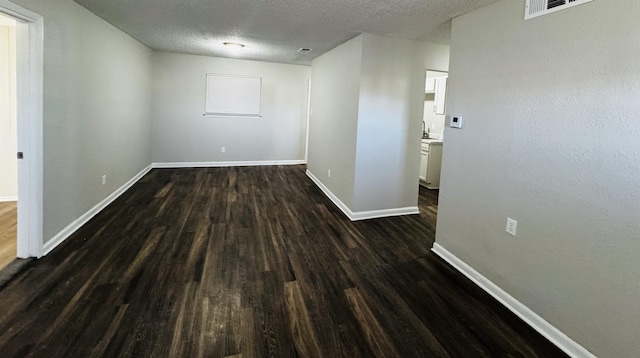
[[97, 88], [182, 134], [551, 139], [434, 56], [367, 97], [8, 125], [335, 91]]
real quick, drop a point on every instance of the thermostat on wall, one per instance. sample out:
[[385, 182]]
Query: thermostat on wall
[[455, 122]]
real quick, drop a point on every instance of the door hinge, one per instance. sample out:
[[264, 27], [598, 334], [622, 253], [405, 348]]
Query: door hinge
[[20, 155]]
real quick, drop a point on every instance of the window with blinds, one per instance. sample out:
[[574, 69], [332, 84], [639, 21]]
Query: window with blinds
[[232, 96]]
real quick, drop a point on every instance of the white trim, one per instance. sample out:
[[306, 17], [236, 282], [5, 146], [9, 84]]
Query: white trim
[[4, 199], [226, 164], [564, 342], [226, 115], [361, 215], [79, 222], [29, 83], [342, 206], [306, 138], [18, 12], [375, 214]]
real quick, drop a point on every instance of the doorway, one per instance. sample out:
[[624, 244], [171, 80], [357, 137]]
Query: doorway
[[8, 142], [433, 123], [28, 148]]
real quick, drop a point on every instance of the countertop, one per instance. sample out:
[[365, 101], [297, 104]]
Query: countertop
[[432, 141]]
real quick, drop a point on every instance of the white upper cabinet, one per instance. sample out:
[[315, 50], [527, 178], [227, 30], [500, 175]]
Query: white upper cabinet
[[430, 85], [441, 90]]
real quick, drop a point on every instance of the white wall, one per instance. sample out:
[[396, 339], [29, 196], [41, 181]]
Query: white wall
[[367, 100], [335, 92], [97, 88], [551, 139], [182, 134], [389, 124], [8, 125]]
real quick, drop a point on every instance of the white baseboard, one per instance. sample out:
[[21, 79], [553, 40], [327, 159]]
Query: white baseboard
[[226, 164], [361, 215], [564, 342], [4, 199], [375, 214], [77, 224]]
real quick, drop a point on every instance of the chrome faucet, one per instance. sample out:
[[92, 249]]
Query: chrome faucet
[[425, 135]]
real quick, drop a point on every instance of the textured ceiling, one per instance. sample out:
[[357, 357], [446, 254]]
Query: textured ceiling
[[274, 30]]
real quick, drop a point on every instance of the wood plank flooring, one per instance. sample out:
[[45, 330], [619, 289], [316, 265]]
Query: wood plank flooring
[[251, 262], [8, 233]]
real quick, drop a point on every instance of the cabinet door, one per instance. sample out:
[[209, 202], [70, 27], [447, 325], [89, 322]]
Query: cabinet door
[[441, 90], [433, 167], [424, 164], [430, 85]]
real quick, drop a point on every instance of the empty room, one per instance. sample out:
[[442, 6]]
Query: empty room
[[217, 178]]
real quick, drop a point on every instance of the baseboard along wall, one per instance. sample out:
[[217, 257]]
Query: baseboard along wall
[[360, 215], [79, 222], [546, 329], [226, 164]]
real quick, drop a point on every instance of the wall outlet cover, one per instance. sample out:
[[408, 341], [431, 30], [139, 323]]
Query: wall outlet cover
[[512, 226]]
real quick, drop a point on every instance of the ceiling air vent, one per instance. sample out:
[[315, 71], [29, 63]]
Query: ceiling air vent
[[536, 8]]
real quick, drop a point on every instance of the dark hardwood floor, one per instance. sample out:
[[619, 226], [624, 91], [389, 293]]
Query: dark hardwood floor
[[251, 262]]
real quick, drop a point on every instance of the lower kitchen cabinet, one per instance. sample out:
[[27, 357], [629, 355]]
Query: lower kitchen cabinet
[[430, 164]]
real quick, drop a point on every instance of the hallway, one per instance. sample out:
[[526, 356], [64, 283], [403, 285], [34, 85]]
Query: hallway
[[251, 261]]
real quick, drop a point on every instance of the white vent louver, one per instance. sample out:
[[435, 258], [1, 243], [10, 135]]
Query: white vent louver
[[536, 8]]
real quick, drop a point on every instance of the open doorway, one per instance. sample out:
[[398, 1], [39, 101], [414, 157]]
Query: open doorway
[[26, 147], [433, 123], [8, 142]]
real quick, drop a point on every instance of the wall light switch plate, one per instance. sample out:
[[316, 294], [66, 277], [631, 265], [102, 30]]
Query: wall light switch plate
[[455, 122]]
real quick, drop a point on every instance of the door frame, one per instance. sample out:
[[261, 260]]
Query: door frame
[[30, 104], [306, 139]]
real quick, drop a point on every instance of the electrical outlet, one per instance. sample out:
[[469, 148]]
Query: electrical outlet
[[512, 226], [104, 179], [329, 173], [223, 150]]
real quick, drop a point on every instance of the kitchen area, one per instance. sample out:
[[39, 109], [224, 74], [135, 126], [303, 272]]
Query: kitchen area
[[433, 124]]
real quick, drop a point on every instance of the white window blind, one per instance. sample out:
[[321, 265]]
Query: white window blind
[[232, 96]]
